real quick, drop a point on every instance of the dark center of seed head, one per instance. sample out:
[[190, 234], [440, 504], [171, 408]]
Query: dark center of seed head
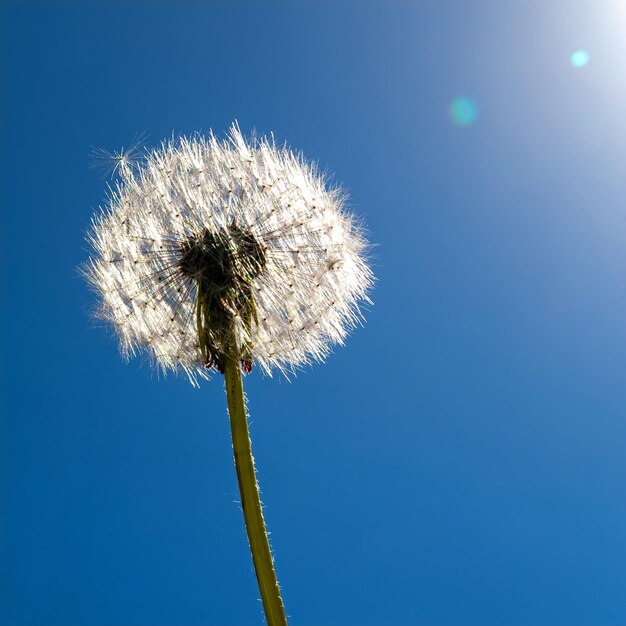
[[224, 260]]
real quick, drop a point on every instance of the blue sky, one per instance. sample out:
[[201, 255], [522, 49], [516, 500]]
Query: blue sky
[[461, 460]]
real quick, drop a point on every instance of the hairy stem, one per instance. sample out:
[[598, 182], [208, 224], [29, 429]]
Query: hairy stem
[[250, 500]]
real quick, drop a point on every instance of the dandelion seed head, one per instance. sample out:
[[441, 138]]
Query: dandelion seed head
[[205, 239]]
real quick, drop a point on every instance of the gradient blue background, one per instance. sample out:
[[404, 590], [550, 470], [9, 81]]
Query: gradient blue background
[[461, 461]]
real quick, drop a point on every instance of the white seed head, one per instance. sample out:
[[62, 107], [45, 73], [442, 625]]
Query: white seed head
[[204, 242]]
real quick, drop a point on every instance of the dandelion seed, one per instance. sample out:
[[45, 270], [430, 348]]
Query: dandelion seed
[[119, 162]]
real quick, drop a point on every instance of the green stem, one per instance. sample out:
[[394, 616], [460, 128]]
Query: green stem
[[250, 500]]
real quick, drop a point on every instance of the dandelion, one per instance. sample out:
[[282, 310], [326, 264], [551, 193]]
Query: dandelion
[[218, 255]]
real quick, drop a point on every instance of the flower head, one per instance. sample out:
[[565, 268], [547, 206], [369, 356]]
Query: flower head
[[210, 247]]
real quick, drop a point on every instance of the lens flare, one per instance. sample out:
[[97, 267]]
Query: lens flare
[[580, 58], [463, 111]]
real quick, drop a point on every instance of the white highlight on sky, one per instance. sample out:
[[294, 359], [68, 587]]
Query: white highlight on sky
[[580, 58]]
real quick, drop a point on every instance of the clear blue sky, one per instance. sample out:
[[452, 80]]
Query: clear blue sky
[[461, 461]]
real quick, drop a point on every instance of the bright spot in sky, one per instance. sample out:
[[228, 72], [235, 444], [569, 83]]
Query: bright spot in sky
[[580, 58], [463, 111]]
